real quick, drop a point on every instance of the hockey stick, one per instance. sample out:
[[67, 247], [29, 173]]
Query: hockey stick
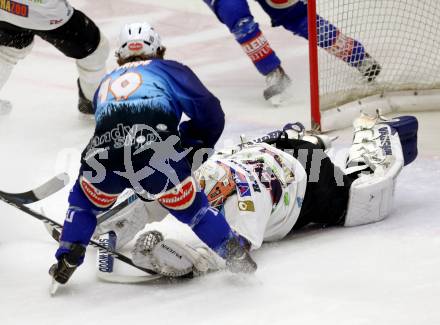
[[110, 213], [10, 199], [43, 191]]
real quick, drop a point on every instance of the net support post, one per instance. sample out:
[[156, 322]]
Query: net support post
[[313, 64]]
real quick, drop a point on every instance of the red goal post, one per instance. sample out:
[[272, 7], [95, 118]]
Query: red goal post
[[401, 36]]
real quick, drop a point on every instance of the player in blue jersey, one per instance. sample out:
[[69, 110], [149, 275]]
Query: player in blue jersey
[[140, 144], [292, 15]]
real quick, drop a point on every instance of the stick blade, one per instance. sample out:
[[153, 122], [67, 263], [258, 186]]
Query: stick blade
[[52, 186]]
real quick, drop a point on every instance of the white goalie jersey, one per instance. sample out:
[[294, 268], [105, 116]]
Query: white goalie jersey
[[259, 189], [39, 15], [266, 189]]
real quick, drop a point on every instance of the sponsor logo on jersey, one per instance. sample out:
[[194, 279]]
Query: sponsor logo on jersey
[[247, 206], [180, 197], [252, 179], [125, 136], [14, 8], [281, 4], [97, 197], [257, 48], [289, 176], [268, 178], [243, 187]]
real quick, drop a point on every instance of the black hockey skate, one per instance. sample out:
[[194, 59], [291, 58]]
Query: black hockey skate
[[277, 82], [63, 270], [85, 106], [237, 257], [369, 68]]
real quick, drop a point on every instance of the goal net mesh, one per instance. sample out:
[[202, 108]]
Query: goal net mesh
[[401, 35]]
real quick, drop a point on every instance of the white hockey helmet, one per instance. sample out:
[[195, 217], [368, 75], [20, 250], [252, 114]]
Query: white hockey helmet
[[138, 39]]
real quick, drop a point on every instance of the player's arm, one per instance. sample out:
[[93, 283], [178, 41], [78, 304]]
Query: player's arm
[[207, 120], [198, 103]]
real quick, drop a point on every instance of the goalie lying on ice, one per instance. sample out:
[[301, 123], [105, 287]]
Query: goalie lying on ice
[[271, 187]]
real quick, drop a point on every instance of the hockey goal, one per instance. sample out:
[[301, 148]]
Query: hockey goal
[[400, 36]]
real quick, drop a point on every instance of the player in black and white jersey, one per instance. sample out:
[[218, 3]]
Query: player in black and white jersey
[[57, 22]]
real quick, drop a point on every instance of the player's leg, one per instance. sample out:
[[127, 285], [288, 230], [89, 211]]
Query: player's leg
[[88, 198], [81, 39], [240, 22], [15, 44], [188, 204], [331, 39]]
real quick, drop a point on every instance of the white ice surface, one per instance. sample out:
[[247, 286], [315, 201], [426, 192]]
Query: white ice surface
[[386, 273]]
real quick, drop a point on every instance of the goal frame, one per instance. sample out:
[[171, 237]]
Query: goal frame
[[341, 116]]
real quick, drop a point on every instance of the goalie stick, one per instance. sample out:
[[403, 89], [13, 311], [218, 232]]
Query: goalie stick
[[11, 200], [41, 192]]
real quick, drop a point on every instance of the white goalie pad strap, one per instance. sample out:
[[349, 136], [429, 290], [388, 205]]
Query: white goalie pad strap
[[371, 196], [173, 258], [131, 220]]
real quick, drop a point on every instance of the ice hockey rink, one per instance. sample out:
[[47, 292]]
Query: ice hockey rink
[[384, 273]]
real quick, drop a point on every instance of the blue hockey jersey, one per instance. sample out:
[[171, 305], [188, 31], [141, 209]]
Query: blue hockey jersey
[[164, 85]]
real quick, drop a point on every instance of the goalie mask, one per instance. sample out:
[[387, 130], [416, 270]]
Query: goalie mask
[[217, 182], [138, 39]]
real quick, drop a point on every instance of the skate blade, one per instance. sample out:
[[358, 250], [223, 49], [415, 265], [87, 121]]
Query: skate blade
[[54, 287]]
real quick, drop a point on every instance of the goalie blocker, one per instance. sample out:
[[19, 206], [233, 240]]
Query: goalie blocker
[[379, 150]]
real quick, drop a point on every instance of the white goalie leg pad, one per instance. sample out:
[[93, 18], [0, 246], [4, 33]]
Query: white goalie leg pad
[[131, 220], [379, 151], [92, 68], [174, 258]]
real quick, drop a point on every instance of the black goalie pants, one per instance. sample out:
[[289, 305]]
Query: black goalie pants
[[326, 198]]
